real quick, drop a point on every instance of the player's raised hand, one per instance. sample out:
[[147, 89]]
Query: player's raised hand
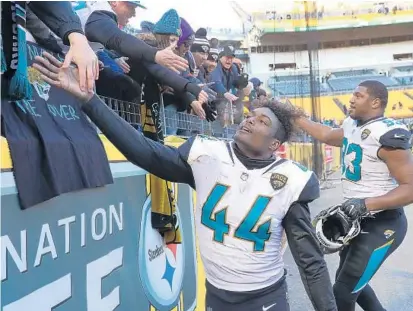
[[169, 59], [53, 72]]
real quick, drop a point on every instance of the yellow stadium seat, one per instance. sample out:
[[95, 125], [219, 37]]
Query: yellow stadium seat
[[329, 110], [396, 97]]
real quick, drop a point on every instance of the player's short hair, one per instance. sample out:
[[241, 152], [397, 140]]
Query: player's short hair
[[286, 114], [376, 89]]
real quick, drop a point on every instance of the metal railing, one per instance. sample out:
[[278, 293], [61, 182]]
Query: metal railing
[[184, 125], [178, 123]]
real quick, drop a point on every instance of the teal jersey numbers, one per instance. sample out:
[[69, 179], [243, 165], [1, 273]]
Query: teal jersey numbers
[[352, 156], [245, 231]]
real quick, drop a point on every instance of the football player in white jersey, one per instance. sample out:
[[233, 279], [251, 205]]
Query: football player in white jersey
[[377, 180], [246, 198]]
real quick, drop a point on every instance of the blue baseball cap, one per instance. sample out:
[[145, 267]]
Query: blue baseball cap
[[137, 3]]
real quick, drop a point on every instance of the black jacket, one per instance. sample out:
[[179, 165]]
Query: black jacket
[[171, 164], [102, 27], [58, 16]]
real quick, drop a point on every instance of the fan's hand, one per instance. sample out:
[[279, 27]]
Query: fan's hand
[[198, 110], [85, 59], [52, 72], [169, 59]]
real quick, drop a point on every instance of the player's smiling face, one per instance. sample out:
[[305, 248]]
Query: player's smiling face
[[257, 133]]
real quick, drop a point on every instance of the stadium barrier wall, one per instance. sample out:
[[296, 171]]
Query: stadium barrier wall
[[95, 249]]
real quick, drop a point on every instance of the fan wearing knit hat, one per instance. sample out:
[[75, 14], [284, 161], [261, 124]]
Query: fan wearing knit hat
[[214, 50], [168, 29], [211, 63], [186, 39], [200, 47]]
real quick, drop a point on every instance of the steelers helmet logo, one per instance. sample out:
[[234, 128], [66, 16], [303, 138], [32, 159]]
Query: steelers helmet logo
[[161, 265], [278, 181], [365, 134]]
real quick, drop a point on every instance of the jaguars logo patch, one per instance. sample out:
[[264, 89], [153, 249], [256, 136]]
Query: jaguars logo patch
[[388, 233], [365, 134], [278, 181]]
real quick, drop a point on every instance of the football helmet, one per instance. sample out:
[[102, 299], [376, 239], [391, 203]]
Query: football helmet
[[334, 229]]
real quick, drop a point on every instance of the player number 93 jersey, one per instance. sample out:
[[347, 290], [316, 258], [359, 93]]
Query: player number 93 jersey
[[364, 174], [239, 215]]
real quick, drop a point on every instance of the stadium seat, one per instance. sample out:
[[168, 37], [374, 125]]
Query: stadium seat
[[396, 97], [405, 80], [350, 83], [328, 109], [407, 68], [299, 88], [352, 73]]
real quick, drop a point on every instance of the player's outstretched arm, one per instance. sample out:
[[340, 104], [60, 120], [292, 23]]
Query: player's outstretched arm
[[400, 164], [323, 133], [308, 257], [163, 161]]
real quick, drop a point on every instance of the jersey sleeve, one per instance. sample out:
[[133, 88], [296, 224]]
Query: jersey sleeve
[[311, 190], [397, 138], [304, 183], [201, 146], [392, 134], [348, 122]]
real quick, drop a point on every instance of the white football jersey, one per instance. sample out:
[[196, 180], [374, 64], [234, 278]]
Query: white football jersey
[[364, 174], [239, 214]]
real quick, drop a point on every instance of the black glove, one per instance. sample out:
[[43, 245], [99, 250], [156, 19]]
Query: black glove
[[355, 208], [210, 113]]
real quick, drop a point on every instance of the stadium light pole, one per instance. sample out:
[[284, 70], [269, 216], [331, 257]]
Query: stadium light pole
[[310, 14]]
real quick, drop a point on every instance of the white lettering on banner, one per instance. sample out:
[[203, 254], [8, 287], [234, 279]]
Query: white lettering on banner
[[95, 235], [46, 244], [54, 294], [117, 217], [82, 230], [8, 247], [95, 272], [45, 298], [66, 222], [41, 249]]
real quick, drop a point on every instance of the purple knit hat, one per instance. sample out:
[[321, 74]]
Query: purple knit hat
[[187, 32]]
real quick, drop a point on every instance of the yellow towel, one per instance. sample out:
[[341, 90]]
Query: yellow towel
[[163, 217]]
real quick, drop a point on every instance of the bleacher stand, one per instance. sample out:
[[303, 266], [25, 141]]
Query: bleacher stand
[[349, 83]]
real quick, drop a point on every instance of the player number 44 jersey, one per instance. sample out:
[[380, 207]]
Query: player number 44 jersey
[[239, 214], [364, 174]]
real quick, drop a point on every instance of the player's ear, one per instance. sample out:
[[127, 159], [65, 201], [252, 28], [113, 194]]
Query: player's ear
[[275, 145], [376, 104]]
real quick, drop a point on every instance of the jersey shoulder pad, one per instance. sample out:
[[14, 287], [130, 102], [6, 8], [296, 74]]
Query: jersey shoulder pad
[[305, 182], [205, 146], [397, 138], [300, 166], [348, 123], [311, 190], [391, 133]]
